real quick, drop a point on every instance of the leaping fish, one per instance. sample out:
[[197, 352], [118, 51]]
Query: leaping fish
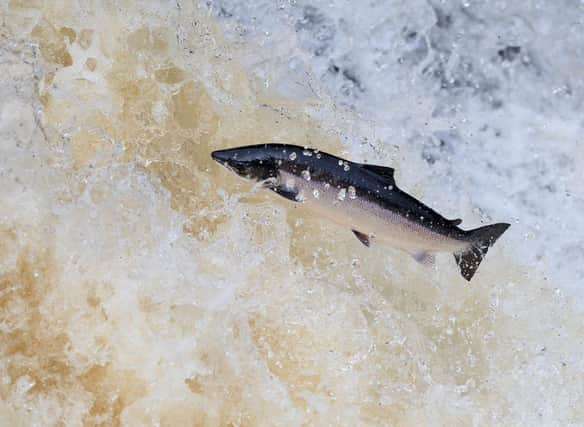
[[363, 198]]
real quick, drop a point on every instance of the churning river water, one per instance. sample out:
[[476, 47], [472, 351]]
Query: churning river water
[[143, 284]]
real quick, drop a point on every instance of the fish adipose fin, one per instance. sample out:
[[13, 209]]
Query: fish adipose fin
[[363, 238], [481, 239], [383, 171]]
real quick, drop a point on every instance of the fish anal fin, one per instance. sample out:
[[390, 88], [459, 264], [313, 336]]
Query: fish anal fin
[[363, 238], [424, 258], [384, 171]]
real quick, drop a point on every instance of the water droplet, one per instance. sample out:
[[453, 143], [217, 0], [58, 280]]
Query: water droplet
[[292, 156], [342, 194], [352, 192], [305, 174], [307, 153], [316, 193]]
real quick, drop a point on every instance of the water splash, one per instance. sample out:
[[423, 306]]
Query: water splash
[[141, 283]]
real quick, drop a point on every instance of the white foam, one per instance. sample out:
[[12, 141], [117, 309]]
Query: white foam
[[113, 310]]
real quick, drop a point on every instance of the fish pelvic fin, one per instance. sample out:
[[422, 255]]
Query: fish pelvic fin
[[481, 239], [363, 238]]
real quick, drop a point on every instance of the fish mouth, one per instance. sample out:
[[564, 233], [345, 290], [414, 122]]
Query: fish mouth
[[222, 156], [225, 158], [228, 159]]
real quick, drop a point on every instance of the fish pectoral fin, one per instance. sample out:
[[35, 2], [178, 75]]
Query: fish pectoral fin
[[269, 183], [286, 193], [424, 258], [363, 238]]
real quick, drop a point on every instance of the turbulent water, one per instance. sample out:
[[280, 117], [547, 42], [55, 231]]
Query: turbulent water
[[142, 284]]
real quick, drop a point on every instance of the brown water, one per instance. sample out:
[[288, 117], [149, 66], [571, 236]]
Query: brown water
[[142, 284]]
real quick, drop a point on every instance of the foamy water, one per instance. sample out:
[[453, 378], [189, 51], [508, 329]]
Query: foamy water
[[142, 284]]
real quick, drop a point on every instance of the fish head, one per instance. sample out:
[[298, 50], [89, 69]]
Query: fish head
[[256, 163]]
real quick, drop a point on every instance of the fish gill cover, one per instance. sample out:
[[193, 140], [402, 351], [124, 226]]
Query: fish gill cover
[[142, 285]]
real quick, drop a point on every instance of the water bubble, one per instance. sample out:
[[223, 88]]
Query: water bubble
[[346, 167], [305, 174], [342, 194], [307, 153], [340, 163], [352, 192], [318, 155], [24, 384], [316, 193], [327, 186], [292, 156]]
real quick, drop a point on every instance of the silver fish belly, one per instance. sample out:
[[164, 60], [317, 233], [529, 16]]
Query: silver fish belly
[[344, 206]]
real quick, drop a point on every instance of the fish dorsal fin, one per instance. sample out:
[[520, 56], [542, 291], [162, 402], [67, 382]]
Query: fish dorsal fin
[[383, 171], [456, 221]]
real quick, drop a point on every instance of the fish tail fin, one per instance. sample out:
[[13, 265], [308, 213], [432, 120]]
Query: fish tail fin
[[481, 239]]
